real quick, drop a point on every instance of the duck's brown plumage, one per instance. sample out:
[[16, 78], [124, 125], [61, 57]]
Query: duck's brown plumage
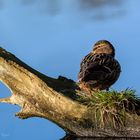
[[99, 69]]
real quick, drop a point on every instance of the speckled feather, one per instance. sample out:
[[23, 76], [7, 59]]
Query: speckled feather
[[99, 71]]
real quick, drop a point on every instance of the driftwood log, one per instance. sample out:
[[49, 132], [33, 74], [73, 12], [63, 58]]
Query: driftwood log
[[54, 99]]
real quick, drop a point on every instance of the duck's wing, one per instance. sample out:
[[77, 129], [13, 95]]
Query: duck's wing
[[99, 67]]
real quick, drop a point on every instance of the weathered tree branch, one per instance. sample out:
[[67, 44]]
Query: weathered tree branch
[[54, 99]]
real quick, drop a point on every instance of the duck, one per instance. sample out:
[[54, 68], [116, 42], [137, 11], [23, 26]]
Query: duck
[[99, 69]]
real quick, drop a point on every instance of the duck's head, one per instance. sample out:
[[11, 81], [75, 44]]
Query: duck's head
[[103, 46]]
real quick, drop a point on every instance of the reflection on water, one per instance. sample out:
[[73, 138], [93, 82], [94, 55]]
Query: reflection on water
[[100, 3], [28, 2], [48, 6], [94, 9], [68, 137], [52, 7], [1, 4], [101, 9]]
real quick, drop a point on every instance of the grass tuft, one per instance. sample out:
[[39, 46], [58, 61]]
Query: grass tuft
[[111, 108]]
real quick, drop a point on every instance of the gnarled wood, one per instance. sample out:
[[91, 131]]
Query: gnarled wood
[[54, 99]]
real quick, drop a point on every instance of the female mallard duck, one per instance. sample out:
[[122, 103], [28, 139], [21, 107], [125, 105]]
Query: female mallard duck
[[99, 69]]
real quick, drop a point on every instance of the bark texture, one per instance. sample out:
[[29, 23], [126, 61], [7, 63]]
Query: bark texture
[[54, 99]]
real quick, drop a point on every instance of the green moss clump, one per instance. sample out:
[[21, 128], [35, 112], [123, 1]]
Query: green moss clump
[[111, 108]]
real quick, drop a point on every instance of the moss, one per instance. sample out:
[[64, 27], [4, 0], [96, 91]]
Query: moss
[[111, 108]]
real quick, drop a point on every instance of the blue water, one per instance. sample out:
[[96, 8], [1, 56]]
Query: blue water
[[53, 36]]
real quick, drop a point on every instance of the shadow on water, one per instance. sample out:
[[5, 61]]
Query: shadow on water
[[69, 137]]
